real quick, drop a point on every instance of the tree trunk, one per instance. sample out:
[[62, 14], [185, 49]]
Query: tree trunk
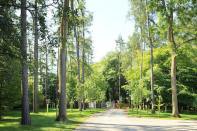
[[25, 100], [152, 81], [62, 85], [120, 42], [1, 110], [78, 69], [40, 72], [78, 63], [83, 64], [175, 112], [130, 99], [57, 95], [141, 64], [0, 114], [119, 77], [141, 54], [151, 53], [166, 108], [35, 103], [46, 76], [62, 63], [57, 86]]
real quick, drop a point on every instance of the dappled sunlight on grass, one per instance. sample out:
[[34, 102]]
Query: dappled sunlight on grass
[[46, 122], [163, 115]]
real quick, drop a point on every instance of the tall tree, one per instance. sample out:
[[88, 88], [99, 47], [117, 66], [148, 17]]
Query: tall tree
[[120, 43], [35, 101], [78, 69], [175, 111], [167, 12], [83, 54], [76, 35], [151, 53], [46, 74], [25, 100], [170, 19], [62, 61], [57, 101], [141, 41], [83, 62]]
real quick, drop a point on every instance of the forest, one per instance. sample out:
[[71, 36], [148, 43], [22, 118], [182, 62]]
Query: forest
[[46, 59]]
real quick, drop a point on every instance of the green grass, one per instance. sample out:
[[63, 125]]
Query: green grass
[[43, 122], [163, 115]]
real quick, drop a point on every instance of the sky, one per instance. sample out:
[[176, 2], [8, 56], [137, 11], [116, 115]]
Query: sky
[[109, 21]]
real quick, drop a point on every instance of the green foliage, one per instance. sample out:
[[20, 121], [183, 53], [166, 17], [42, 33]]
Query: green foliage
[[10, 66], [139, 92], [52, 88], [71, 89], [186, 78], [95, 86], [11, 86], [110, 65]]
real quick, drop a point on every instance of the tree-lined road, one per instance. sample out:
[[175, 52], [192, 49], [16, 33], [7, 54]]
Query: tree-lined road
[[118, 120]]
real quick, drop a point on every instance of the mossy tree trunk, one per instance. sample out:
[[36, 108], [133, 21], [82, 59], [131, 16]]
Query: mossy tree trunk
[[62, 62]]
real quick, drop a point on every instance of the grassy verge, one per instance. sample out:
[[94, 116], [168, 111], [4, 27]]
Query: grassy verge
[[163, 115], [43, 122]]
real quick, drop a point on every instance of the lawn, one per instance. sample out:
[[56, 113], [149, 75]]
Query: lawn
[[43, 122], [147, 114]]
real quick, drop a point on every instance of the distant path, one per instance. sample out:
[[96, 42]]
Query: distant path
[[118, 120]]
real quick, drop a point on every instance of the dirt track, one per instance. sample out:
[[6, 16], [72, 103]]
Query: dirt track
[[118, 120]]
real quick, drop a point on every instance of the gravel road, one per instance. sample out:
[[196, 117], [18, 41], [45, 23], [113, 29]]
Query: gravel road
[[118, 120]]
